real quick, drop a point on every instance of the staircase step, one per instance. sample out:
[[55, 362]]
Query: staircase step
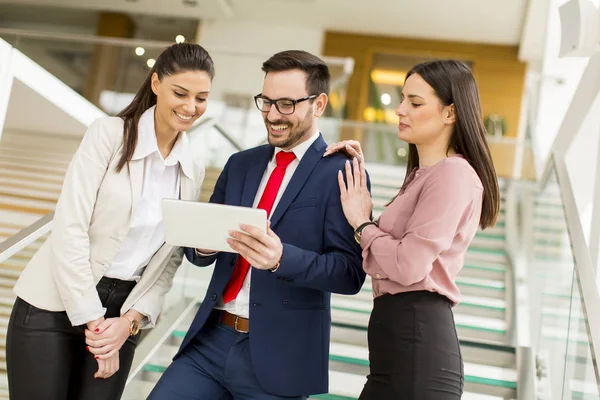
[[482, 307], [469, 305], [481, 287], [482, 270], [486, 254], [489, 242], [502, 381], [468, 326], [33, 206], [31, 174], [30, 159], [469, 286]]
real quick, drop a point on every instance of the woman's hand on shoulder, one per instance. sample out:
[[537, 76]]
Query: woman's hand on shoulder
[[351, 148], [354, 194]]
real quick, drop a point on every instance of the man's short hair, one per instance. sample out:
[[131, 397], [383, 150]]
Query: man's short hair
[[317, 73]]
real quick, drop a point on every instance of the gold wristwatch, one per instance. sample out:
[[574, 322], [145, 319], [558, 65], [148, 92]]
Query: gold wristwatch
[[134, 326]]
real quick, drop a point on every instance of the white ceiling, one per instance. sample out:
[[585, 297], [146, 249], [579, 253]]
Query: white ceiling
[[484, 21]]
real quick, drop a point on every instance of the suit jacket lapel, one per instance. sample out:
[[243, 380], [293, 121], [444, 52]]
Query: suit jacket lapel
[[136, 176], [307, 164], [254, 176]]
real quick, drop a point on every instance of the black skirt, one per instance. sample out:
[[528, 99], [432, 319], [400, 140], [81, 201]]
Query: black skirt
[[414, 351]]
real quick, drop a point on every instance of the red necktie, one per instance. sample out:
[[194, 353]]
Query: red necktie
[[283, 159]]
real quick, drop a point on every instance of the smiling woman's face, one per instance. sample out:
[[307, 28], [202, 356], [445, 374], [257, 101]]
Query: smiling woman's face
[[180, 99]]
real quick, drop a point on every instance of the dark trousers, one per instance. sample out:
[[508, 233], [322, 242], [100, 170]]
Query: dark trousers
[[47, 359], [216, 366], [414, 351]]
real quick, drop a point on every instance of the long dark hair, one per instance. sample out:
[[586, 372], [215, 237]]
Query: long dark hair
[[177, 58], [454, 83]]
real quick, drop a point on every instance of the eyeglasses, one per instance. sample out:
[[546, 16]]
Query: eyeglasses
[[284, 106]]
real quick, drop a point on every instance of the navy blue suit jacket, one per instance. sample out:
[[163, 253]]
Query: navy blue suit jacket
[[290, 309]]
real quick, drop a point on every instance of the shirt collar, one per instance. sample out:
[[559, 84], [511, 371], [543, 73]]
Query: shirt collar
[[147, 145], [300, 149]]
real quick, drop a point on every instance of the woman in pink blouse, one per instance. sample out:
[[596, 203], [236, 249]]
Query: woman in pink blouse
[[417, 247]]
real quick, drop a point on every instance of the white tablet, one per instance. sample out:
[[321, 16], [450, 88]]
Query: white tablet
[[206, 226]]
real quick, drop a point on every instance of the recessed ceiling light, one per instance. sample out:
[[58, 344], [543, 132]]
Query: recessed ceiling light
[[150, 63], [386, 99], [179, 39], [140, 51]]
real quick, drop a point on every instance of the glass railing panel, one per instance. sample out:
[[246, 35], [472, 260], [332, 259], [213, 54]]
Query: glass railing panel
[[380, 142], [579, 374], [551, 274], [563, 341]]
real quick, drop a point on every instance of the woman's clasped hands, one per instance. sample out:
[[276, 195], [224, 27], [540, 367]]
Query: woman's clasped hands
[[104, 338]]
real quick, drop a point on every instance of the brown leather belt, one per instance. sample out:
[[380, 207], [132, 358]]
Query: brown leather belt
[[240, 324]]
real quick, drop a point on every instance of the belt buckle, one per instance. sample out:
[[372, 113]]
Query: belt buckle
[[235, 325]]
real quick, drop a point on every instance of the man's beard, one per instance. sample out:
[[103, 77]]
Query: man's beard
[[296, 134]]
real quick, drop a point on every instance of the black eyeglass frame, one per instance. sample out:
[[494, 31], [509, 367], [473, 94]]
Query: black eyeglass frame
[[275, 101]]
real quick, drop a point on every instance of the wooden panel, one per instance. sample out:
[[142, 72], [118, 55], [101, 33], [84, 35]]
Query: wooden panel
[[499, 73], [503, 155]]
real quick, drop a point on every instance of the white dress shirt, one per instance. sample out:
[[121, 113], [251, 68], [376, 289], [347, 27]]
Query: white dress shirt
[[161, 180], [241, 305]]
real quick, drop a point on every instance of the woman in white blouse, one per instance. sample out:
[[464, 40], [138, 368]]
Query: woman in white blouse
[[105, 269]]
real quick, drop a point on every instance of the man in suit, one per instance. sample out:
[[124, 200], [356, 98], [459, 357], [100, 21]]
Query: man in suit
[[262, 331]]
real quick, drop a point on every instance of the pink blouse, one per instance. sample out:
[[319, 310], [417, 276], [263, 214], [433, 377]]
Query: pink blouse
[[423, 235]]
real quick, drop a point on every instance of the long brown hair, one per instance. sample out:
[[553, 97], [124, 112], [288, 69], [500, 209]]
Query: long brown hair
[[177, 58], [453, 83]]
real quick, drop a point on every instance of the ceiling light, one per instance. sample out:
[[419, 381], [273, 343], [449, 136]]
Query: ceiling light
[[179, 39], [150, 63], [402, 152], [386, 99], [140, 51], [388, 77]]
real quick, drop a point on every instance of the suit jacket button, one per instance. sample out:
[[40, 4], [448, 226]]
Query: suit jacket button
[[285, 302], [213, 297], [233, 261]]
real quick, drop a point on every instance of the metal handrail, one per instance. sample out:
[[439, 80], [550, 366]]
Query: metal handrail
[[228, 137], [25, 237], [219, 128]]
